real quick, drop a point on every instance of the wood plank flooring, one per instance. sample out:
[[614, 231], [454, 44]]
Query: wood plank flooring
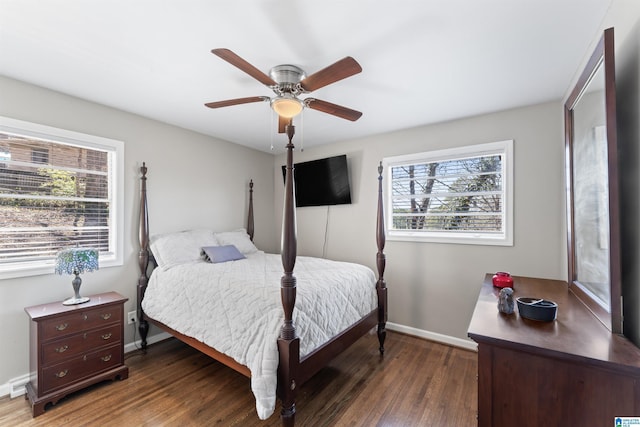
[[416, 383]]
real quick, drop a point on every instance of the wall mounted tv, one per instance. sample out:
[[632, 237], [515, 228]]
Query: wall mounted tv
[[321, 182]]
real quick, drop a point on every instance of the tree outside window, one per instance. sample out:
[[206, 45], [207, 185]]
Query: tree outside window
[[460, 195]]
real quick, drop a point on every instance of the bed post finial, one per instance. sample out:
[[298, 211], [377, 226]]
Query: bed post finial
[[250, 229], [381, 261], [143, 256]]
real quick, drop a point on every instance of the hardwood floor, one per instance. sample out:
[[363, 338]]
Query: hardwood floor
[[416, 383]]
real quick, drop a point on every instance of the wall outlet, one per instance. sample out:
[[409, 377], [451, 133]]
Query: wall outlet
[[132, 317]]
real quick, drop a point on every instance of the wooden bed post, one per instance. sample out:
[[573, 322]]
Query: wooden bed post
[[381, 262], [143, 256], [288, 342], [250, 228]]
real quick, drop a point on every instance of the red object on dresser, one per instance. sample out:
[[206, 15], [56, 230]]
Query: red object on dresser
[[502, 280]]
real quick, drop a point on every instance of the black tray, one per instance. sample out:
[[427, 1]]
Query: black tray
[[537, 309]]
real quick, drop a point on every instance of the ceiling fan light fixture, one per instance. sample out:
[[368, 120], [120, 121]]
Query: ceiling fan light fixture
[[287, 106]]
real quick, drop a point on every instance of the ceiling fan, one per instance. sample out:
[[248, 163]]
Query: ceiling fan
[[288, 82]]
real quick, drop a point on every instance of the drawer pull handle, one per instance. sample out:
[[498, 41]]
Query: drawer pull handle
[[85, 317], [62, 349], [62, 373], [106, 358], [106, 336], [106, 316], [62, 326]]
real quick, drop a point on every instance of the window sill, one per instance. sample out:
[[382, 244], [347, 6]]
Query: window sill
[[26, 269], [459, 239]]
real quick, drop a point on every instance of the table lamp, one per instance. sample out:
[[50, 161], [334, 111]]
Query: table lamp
[[76, 261]]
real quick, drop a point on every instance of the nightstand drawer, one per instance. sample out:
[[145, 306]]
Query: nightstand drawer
[[73, 345], [80, 321], [76, 368]]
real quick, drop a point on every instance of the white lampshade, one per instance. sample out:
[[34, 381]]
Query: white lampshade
[[287, 105]]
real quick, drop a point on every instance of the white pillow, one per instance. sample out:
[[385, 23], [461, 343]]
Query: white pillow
[[178, 248], [238, 238]]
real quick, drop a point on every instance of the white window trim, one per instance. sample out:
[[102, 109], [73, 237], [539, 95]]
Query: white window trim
[[34, 130], [469, 238]]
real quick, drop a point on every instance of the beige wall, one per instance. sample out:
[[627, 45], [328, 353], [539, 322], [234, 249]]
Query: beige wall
[[184, 191], [432, 286]]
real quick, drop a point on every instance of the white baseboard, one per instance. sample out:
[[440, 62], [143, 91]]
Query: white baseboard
[[15, 387], [133, 346], [433, 336]]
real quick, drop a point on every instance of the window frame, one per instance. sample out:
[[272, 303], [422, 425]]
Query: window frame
[[505, 238], [48, 133]]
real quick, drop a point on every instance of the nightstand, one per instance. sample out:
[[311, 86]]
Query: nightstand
[[74, 346]]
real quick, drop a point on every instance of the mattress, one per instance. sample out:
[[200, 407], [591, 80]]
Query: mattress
[[235, 307]]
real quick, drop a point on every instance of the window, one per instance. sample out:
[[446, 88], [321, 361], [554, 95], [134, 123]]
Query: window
[[40, 155], [459, 195], [57, 189]]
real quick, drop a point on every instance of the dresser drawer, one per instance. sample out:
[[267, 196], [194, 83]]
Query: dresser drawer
[[79, 367], [73, 345], [80, 321]]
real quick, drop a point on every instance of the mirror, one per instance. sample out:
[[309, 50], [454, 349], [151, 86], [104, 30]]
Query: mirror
[[592, 187]]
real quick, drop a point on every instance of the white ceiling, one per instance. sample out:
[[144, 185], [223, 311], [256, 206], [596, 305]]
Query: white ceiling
[[424, 61]]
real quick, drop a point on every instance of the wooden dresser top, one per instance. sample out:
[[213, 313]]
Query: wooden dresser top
[[575, 334], [42, 311]]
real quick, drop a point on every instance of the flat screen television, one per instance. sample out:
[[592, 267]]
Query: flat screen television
[[321, 182]]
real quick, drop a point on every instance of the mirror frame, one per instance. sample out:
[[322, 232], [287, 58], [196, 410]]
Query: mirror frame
[[603, 56]]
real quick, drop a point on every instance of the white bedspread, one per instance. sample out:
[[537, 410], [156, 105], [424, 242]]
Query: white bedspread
[[235, 307]]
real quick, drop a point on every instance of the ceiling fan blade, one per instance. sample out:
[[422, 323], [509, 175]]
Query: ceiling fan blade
[[333, 109], [237, 101], [243, 65], [342, 69], [282, 124]]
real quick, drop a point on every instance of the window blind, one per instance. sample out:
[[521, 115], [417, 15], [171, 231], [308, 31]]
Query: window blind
[[53, 195], [453, 195], [461, 195]]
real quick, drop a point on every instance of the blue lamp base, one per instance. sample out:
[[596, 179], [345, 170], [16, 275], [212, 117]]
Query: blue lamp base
[[76, 299]]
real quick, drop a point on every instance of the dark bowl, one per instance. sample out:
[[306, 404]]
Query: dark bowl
[[537, 309]]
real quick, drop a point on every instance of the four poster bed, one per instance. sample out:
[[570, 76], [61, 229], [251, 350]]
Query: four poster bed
[[275, 346]]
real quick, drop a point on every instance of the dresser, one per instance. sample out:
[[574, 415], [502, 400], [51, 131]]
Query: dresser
[[569, 372], [72, 347]]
